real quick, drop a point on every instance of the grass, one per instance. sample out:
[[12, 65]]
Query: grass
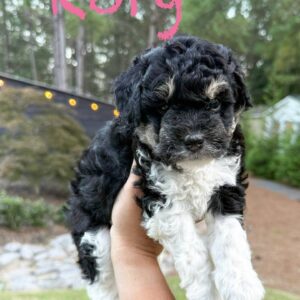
[[279, 295], [47, 295], [81, 295]]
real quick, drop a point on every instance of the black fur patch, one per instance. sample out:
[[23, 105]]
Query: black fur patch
[[228, 200], [87, 262], [101, 172]]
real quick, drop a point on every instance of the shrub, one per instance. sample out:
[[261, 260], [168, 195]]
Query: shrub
[[40, 140], [261, 155], [58, 216], [37, 213], [16, 212], [288, 160], [12, 212], [274, 156]]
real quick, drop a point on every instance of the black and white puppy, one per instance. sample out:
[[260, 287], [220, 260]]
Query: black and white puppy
[[179, 105]]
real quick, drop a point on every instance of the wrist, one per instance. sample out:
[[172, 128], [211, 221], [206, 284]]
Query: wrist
[[133, 243], [138, 274], [124, 249]]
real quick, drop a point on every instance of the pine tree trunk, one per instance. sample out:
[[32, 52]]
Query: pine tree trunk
[[6, 58], [152, 26], [32, 59], [32, 53], [80, 53], [60, 68]]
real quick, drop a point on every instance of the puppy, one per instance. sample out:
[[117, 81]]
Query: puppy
[[180, 105]]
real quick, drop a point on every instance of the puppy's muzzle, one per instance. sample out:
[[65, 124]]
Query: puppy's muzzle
[[194, 142]]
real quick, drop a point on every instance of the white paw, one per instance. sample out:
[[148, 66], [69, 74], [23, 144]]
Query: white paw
[[199, 291], [245, 286]]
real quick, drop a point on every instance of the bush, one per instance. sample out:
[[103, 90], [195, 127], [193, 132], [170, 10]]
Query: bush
[[274, 156], [37, 213], [288, 160], [16, 212], [40, 140], [12, 212], [261, 155]]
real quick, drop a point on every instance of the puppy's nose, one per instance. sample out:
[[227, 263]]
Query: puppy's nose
[[194, 142]]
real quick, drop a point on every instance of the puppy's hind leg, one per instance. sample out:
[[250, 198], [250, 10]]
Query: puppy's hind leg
[[95, 251]]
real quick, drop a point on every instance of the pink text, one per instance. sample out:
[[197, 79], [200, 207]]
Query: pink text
[[165, 35]]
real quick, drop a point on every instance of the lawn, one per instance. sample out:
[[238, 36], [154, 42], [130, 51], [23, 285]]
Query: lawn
[[81, 295]]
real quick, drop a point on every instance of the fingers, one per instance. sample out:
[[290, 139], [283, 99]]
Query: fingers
[[125, 206], [130, 185]]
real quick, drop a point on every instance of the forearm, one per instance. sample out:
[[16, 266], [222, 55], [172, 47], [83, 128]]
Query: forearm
[[137, 274]]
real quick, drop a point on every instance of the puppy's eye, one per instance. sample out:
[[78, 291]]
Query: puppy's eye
[[164, 107], [214, 105]]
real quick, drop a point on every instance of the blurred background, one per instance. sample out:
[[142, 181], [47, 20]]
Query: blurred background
[[56, 74]]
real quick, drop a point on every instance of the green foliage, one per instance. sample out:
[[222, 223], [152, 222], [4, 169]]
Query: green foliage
[[11, 211], [41, 140], [16, 212], [58, 216], [274, 156], [209, 20], [261, 154], [37, 212], [265, 34], [288, 160]]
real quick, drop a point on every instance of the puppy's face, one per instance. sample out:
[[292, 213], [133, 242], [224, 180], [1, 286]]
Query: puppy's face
[[188, 100], [196, 126]]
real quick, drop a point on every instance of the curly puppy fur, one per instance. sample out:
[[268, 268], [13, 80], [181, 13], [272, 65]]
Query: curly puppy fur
[[180, 105]]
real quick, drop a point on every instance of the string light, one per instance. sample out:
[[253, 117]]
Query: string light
[[116, 113], [94, 106], [72, 102], [48, 95]]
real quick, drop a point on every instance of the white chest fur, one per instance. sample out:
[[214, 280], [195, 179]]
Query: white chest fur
[[191, 189]]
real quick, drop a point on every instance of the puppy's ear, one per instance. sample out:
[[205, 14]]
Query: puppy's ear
[[241, 94], [127, 91]]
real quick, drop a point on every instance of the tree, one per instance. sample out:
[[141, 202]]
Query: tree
[[264, 34], [283, 49], [86, 56], [80, 55], [28, 13], [5, 40], [59, 45]]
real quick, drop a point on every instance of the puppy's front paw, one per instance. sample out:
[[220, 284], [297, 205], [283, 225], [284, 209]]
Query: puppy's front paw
[[242, 286]]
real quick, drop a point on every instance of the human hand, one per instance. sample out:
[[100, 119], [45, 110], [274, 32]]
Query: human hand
[[126, 231], [134, 254]]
